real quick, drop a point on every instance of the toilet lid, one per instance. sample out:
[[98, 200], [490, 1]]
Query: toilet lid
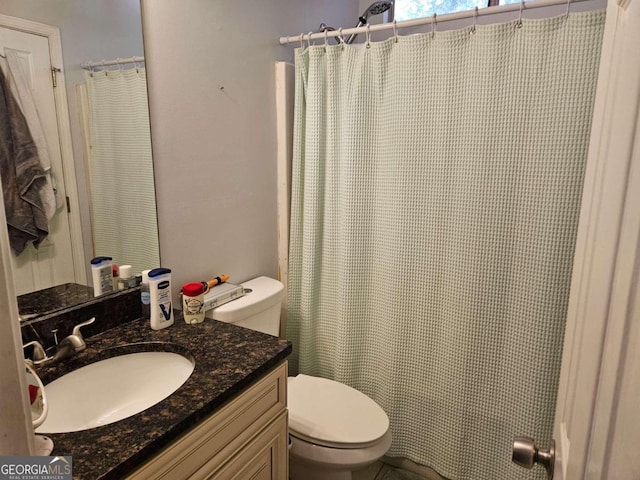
[[333, 414]]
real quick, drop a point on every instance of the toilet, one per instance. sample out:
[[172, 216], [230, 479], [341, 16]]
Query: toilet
[[333, 428]]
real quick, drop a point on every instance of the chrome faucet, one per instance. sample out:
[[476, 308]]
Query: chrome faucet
[[68, 347]]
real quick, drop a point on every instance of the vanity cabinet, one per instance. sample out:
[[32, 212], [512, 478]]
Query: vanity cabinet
[[246, 439]]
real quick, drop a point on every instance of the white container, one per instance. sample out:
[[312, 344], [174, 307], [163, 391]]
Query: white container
[[160, 298], [102, 275], [145, 296], [126, 278], [259, 308], [193, 302]]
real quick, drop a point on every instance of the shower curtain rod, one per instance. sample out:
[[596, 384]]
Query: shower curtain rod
[[107, 63], [513, 7]]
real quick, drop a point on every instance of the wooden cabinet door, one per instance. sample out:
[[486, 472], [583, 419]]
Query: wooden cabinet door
[[265, 458], [255, 419]]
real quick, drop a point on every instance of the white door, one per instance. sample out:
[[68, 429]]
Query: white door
[[52, 263], [597, 428]]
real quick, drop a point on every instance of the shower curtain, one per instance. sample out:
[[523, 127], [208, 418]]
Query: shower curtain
[[435, 197], [121, 169]]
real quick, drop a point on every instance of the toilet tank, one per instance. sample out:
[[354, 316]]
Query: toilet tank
[[258, 309]]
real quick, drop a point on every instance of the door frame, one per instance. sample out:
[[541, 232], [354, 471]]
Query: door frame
[[15, 410], [64, 131], [607, 260]]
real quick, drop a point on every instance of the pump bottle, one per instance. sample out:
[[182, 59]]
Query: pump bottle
[[160, 298]]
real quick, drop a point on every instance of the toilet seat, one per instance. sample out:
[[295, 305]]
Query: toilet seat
[[331, 414]]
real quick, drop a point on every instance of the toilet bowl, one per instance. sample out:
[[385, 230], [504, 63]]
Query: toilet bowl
[[334, 429]]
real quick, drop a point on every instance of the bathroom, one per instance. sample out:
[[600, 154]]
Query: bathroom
[[212, 102]]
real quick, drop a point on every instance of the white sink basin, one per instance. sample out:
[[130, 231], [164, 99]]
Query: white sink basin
[[112, 389]]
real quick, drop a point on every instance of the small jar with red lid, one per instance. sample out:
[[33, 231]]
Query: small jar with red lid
[[193, 302]]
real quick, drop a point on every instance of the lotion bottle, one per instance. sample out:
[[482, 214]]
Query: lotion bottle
[[102, 275], [160, 298], [145, 297]]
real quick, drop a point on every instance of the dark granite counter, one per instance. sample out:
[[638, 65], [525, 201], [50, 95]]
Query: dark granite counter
[[227, 360], [53, 299]]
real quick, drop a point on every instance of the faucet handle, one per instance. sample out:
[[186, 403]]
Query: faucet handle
[[38, 351], [76, 329]]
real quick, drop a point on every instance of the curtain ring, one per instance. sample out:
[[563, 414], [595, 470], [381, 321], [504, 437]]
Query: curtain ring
[[519, 24], [568, 5], [475, 22], [302, 40], [341, 38], [434, 22], [395, 30], [326, 41], [309, 39], [368, 43], [106, 71]]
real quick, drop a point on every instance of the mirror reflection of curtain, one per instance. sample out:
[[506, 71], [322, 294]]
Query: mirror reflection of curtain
[[121, 171]]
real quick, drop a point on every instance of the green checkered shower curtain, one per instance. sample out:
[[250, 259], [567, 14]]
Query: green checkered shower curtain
[[435, 200]]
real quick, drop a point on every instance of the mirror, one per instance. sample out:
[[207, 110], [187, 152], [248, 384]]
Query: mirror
[[102, 189]]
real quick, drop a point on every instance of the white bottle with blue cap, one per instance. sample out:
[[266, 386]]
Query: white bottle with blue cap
[[160, 293], [101, 272]]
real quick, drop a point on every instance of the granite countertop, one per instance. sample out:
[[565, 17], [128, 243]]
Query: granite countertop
[[52, 299], [227, 360]]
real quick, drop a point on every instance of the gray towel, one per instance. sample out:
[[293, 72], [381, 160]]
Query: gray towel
[[22, 176], [19, 85]]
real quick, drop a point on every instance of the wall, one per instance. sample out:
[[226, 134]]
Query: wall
[[211, 78], [91, 30]]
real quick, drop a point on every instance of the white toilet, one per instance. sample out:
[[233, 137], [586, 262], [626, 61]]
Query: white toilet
[[334, 429]]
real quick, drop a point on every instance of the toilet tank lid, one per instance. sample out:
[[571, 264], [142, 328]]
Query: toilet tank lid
[[265, 292], [332, 412]]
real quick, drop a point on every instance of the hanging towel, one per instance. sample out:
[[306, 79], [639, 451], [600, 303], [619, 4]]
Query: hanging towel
[[22, 176], [19, 86]]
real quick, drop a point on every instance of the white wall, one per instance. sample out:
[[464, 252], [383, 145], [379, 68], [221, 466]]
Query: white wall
[[91, 30], [211, 80]]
